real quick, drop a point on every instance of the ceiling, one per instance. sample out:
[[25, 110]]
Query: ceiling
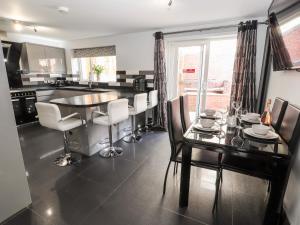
[[90, 18]]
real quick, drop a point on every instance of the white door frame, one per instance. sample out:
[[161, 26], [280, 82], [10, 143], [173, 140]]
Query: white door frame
[[172, 70]]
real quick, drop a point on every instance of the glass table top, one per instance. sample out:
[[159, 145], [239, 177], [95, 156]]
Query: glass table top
[[234, 139]]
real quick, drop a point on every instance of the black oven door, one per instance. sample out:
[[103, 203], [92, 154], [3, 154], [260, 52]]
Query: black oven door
[[29, 109], [18, 110]]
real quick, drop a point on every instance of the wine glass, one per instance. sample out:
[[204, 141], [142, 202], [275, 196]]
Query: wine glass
[[239, 115], [237, 140], [222, 121], [224, 112], [236, 106]]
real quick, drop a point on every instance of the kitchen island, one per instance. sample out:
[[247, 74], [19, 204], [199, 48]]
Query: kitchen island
[[91, 138]]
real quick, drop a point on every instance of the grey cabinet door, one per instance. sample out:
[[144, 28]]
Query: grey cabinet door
[[56, 60], [37, 61]]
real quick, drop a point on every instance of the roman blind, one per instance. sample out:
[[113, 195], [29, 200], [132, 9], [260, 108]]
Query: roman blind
[[94, 52]]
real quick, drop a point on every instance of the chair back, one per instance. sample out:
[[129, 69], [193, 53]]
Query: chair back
[[117, 110], [278, 111], [153, 98], [174, 125], [140, 102], [49, 114], [290, 127], [184, 112]]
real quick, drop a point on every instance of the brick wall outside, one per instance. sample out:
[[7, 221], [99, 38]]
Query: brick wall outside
[[213, 101]]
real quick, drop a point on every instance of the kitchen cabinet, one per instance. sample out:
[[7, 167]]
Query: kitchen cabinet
[[42, 59], [56, 60]]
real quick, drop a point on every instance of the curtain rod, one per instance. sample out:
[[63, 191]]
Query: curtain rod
[[210, 28]]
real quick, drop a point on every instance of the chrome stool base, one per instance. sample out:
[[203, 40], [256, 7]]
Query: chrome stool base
[[111, 152], [68, 159], [132, 138]]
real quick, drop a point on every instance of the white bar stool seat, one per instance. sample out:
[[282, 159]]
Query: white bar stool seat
[[117, 111], [153, 101], [49, 116], [139, 106]]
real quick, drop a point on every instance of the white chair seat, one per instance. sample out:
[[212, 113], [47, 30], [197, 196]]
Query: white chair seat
[[69, 124], [132, 111], [153, 99], [116, 113], [102, 120], [149, 106]]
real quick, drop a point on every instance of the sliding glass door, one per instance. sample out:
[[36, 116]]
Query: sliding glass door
[[202, 70]]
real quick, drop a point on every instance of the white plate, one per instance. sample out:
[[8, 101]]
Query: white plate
[[244, 118], [269, 136], [214, 128], [214, 117]]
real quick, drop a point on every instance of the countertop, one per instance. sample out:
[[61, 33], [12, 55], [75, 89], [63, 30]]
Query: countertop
[[90, 100], [94, 96], [73, 88], [85, 101]]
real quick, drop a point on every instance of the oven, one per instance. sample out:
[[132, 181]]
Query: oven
[[24, 106]]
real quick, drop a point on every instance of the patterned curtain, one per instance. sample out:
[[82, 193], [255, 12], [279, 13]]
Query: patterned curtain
[[282, 58], [160, 80], [243, 80], [94, 52]]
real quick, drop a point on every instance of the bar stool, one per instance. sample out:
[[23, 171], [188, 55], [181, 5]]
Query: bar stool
[[153, 101], [49, 116], [139, 106], [117, 111]]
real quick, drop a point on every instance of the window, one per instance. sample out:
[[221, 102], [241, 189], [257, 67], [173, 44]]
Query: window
[[203, 70], [85, 59], [84, 68], [219, 73]]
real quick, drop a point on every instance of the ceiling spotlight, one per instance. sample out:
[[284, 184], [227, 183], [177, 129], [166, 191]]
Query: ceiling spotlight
[[63, 9], [170, 3], [18, 26]]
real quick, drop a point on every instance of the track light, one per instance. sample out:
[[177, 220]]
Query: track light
[[170, 3], [18, 26]]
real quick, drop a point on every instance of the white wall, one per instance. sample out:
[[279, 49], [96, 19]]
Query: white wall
[[14, 191], [286, 84], [135, 51]]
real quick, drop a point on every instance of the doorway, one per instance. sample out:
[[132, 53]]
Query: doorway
[[202, 70]]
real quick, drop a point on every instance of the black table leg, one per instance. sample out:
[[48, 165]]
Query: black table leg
[[185, 176], [278, 187]]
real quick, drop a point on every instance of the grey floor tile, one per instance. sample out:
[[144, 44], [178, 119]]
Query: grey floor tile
[[128, 190], [26, 217]]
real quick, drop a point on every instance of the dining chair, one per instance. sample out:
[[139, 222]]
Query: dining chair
[[200, 158], [289, 132], [184, 112], [246, 164], [186, 123], [290, 127], [277, 113]]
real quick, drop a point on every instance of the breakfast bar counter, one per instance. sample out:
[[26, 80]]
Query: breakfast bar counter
[[89, 100]]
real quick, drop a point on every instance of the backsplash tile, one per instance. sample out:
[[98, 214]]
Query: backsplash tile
[[124, 78]]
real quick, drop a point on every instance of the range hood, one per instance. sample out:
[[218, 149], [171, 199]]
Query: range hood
[[12, 55]]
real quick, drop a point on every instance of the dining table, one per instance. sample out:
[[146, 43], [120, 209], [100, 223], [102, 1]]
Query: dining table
[[234, 141]]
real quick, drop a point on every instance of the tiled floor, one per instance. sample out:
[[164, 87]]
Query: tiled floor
[[128, 190]]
